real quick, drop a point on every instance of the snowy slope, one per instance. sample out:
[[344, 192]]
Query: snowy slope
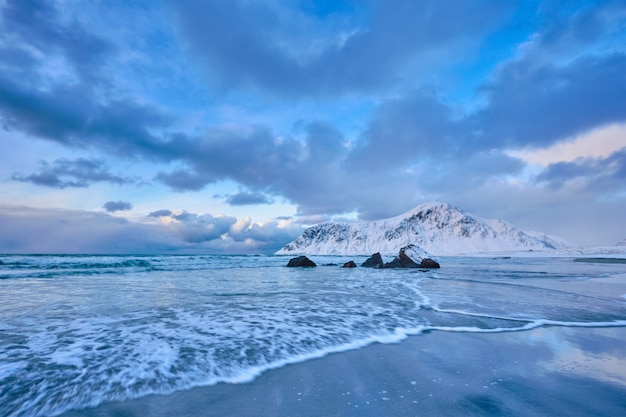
[[438, 228]]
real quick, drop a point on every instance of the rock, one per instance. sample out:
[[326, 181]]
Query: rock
[[395, 263], [300, 261], [408, 258], [429, 263], [415, 253], [402, 260], [349, 264], [374, 261]]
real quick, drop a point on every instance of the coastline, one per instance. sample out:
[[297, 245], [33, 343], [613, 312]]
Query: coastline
[[543, 371]]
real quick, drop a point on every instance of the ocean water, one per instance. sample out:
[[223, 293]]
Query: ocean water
[[79, 331]]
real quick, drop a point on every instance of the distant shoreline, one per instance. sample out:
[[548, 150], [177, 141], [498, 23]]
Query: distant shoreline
[[602, 260]]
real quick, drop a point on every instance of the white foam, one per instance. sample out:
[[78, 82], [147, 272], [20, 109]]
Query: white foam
[[474, 314], [398, 335], [530, 325]]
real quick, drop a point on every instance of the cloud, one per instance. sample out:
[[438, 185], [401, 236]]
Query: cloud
[[78, 173], [607, 175], [567, 31], [253, 156], [113, 206], [227, 233], [274, 234], [248, 198], [600, 142], [161, 213], [390, 126], [73, 116], [185, 179], [36, 32], [540, 105], [290, 51], [412, 141], [31, 230], [55, 84], [194, 228], [74, 231], [574, 211], [403, 130]]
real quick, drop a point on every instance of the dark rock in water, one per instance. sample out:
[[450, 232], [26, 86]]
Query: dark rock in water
[[300, 261], [395, 263], [374, 261], [403, 260], [349, 264], [429, 263]]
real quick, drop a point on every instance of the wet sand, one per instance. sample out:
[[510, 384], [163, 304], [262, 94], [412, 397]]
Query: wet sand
[[546, 371]]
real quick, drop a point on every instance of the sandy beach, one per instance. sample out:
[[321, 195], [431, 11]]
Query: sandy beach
[[546, 371]]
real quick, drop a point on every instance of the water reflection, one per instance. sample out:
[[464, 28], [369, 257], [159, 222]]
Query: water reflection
[[588, 354]]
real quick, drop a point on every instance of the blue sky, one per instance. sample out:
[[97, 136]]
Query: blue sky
[[227, 126]]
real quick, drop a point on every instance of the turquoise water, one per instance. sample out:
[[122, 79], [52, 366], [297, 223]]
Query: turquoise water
[[78, 331]]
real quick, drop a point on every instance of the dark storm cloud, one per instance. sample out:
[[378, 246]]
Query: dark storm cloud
[[30, 25], [248, 198], [300, 170], [598, 174], [113, 206], [251, 156], [78, 104], [259, 45], [539, 104], [403, 130], [71, 115], [64, 173]]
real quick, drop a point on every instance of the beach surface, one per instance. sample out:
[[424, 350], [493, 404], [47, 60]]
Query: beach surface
[[550, 370]]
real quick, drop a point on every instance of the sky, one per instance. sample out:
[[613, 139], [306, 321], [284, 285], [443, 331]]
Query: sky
[[228, 126]]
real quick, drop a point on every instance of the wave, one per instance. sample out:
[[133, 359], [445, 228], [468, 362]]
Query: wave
[[136, 357], [96, 266], [50, 267]]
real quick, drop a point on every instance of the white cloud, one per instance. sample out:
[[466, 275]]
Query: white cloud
[[598, 143]]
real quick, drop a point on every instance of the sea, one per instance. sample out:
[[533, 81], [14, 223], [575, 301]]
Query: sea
[[80, 331]]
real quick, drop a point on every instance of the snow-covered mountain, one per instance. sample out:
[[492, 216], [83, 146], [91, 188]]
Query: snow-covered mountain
[[438, 228]]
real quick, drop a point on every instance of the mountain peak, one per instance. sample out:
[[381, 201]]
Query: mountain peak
[[433, 206], [438, 228]]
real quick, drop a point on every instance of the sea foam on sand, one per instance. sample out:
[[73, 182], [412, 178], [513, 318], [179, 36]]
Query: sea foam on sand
[[549, 370]]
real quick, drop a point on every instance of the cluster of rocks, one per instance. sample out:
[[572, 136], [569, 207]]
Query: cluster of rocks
[[409, 257]]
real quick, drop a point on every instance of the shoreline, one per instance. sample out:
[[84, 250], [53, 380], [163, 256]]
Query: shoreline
[[549, 370]]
